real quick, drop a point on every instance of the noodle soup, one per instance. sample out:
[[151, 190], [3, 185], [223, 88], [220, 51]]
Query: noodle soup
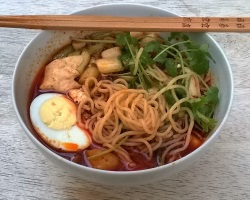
[[125, 101]]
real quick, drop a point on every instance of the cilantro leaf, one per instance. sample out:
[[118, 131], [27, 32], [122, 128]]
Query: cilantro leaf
[[198, 61], [161, 57], [152, 46], [197, 55], [125, 58], [212, 95], [169, 98], [171, 67], [123, 38], [146, 59], [155, 48], [180, 93], [175, 35]]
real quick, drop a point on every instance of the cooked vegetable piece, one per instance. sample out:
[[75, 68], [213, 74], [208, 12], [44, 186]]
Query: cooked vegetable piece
[[194, 143], [64, 52], [194, 87], [86, 57], [109, 65], [111, 53], [78, 45], [149, 37], [91, 71], [97, 48], [102, 160]]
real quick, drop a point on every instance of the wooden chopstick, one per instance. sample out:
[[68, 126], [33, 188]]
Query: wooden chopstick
[[121, 23]]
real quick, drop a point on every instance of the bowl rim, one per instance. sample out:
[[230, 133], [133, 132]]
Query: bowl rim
[[71, 164]]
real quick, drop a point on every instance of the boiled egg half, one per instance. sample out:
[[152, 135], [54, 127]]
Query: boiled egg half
[[54, 118]]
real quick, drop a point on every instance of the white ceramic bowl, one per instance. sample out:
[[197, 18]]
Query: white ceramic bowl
[[41, 47]]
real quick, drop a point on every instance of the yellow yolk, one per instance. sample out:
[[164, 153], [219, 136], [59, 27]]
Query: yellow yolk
[[53, 116], [58, 113]]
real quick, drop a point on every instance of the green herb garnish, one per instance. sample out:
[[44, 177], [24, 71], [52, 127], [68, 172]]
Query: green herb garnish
[[203, 108]]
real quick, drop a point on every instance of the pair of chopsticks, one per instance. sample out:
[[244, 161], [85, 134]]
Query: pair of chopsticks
[[121, 23]]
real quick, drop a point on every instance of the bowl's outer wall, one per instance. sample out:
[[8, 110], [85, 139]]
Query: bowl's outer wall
[[44, 44]]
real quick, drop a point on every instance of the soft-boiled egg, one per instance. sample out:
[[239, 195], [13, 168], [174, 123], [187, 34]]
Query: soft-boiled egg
[[53, 116]]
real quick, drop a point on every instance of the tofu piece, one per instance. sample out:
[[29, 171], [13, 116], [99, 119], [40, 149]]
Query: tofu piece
[[60, 74]]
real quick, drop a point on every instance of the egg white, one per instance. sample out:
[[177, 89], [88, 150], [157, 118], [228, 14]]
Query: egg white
[[57, 138]]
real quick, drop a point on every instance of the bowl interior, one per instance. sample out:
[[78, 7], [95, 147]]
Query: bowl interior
[[37, 52]]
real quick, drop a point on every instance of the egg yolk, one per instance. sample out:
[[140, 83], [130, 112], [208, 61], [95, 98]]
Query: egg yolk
[[58, 113]]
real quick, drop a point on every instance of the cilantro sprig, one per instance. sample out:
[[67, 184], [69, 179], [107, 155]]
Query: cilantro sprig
[[197, 56], [203, 108], [137, 65]]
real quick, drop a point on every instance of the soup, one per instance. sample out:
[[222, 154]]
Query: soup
[[125, 101]]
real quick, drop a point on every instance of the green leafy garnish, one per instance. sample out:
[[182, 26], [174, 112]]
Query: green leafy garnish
[[122, 39], [197, 55], [153, 46], [129, 58], [171, 67], [203, 108], [172, 57], [169, 98]]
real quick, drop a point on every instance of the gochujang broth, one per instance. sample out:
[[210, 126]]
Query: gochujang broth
[[125, 101]]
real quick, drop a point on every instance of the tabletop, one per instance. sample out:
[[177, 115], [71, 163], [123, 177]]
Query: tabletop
[[222, 173]]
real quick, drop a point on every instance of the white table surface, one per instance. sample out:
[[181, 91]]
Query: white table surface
[[222, 173]]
